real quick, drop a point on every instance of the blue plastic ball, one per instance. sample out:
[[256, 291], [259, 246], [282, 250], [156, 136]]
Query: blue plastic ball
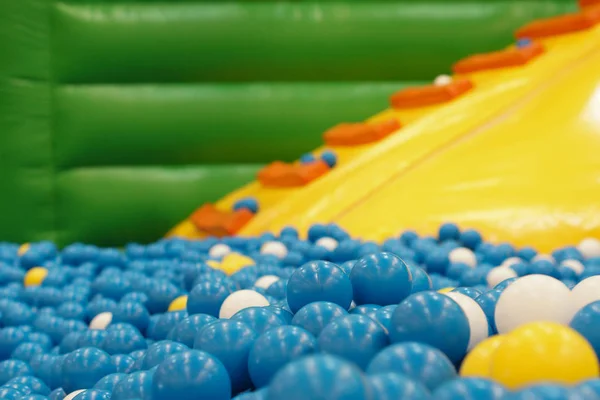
[[285, 315], [434, 319], [93, 394], [319, 377], [123, 338], [137, 385], [84, 367], [122, 362], [71, 311], [418, 361], [109, 382], [381, 279], [524, 42], [545, 392], [35, 384], [248, 203], [57, 394], [468, 291], [315, 316], [470, 389], [470, 238], [355, 338], [91, 338], [318, 281], [330, 158], [164, 324], [367, 310], [7, 393], [448, 231], [544, 267], [437, 261], [132, 313], [26, 351], [10, 369], [393, 386], [177, 377], [587, 322], [230, 341], [306, 159], [420, 280], [589, 389], [487, 301], [10, 338], [160, 351], [208, 296], [17, 314], [185, 331], [276, 348], [259, 319]]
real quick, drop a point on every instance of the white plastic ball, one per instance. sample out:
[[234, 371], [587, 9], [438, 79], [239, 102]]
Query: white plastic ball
[[442, 80], [543, 257], [463, 255], [574, 265], [239, 300], [277, 249], [101, 321], [499, 275], [328, 242], [72, 395], [585, 292], [533, 298], [266, 281], [511, 261], [219, 250], [589, 247], [478, 322]]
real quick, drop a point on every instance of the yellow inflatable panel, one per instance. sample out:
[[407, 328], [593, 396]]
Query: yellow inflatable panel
[[516, 158]]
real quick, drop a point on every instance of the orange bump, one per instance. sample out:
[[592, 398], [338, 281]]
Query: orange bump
[[280, 174], [348, 134], [498, 59], [588, 3], [219, 223], [560, 25], [430, 95]]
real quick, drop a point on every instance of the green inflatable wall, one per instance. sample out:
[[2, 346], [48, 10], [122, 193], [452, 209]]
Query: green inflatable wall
[[118, 119]]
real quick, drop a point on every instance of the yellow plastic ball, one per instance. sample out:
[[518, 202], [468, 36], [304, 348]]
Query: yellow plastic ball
[[23, 249], [446, 290], [35, 276], [233, 262], [179, 304], [213, 264], [478, 362], [544, 352]]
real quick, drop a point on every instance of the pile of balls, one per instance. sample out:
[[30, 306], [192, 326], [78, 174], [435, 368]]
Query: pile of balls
[[279, 317]]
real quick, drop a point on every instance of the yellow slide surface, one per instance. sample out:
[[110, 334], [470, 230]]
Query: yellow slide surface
[[518, 157]]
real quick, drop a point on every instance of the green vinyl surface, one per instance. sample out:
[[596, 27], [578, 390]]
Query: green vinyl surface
[[117, 119]]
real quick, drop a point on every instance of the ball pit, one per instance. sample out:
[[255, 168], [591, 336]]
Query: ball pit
[[415, 317]]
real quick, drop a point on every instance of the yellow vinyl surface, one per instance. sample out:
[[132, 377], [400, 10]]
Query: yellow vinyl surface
[[517, 158]]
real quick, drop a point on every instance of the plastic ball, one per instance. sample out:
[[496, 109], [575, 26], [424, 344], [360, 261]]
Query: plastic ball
[[71, 310], [434, 319], [499, 275], [574, 265], [260, 319], [219, 251], [478, 362], [17, 314], [381, 279], [109, 382], [355, 338], [464, 256], [392, 386], [179, 304], [248, 203], [487, 301], [275, 349], [84, 367], [442, 80], [230, 342], [546, 391], [327, 242], [420, 280], [543, 352], [448, 231], [589, 247], [585, 292], [160, 351], [318, 281], [589, 389], [25, 351], [368, 310], [266, 281], [240, 300], [478, 323], [537, 298], [36, 385], [177, 378], [96, 307], [470, 389], [234, 262], [467, 291], [208, 296], [586, 321], [35, 276], [275, 248], [418, 361], [137, 385], [93, 394], [318, 377], [330, 158], [185, 331], [315, 316], [132, 313], [101, 321], [307, 158], [123, 339], [122, 362], [10, 369]]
